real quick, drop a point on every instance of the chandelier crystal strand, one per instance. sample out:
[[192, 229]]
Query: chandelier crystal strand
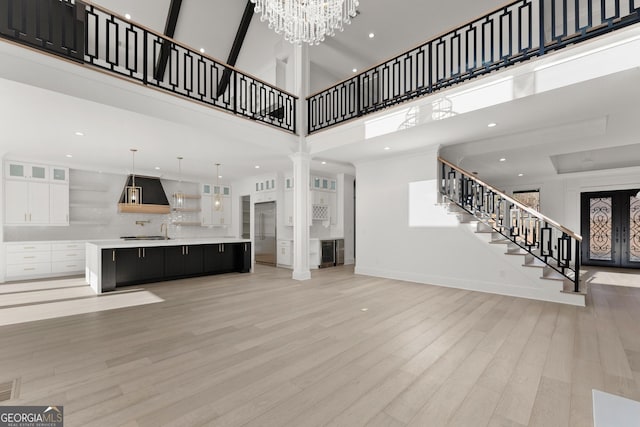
[[306, 21]]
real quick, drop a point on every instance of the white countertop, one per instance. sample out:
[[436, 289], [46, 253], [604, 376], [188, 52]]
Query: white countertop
[[120, 243]]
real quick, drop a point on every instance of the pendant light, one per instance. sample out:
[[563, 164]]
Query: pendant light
[[217, 201], [179, 195], [133, 193]]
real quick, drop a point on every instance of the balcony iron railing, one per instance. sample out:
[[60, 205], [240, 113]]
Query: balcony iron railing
[[90, 34], [555, 245], [87, 33], [501, 38]]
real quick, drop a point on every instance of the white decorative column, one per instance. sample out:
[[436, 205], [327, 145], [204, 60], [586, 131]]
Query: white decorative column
[[301, 168]]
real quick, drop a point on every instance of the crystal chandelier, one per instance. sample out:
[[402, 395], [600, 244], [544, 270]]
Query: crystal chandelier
[[306, 21]]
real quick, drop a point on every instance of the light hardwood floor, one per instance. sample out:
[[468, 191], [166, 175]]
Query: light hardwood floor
[[262, 350]]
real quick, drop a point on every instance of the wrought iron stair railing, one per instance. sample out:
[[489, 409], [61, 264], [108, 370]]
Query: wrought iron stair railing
[[90, 34], [553, 244], [503, 37]]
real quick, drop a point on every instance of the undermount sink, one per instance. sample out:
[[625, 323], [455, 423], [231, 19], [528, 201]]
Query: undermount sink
[[145, 238]]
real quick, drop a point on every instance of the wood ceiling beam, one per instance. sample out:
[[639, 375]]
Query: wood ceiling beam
[[169, 31], [237, 45]]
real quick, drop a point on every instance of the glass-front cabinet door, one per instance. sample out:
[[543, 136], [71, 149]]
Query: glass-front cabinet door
[[610, 223]]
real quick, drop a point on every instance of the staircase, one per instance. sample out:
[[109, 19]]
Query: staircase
[[549, 251]]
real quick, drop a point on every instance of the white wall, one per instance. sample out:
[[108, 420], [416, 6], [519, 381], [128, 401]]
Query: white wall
[[441, 251]]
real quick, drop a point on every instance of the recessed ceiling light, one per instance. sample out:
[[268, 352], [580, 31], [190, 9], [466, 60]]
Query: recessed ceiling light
[[502, 159], [79, 133], [520, 174], [387, 148], [324, 163], [157, 168], [355, 70], [219, 176], [126, 15], [371, 35], [492, 125], [202, 50], [69, 155], [257, 166]]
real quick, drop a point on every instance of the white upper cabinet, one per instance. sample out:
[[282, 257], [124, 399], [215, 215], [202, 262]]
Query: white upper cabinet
[[210, 216], [59, 175], [26, 203], [59, 204], [20, 170], [36, 194]]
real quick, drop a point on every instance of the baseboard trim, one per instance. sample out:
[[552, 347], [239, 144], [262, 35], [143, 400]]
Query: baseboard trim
[[529, 292]]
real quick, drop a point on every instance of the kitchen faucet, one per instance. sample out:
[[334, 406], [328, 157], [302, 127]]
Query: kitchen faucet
[[164, 225]]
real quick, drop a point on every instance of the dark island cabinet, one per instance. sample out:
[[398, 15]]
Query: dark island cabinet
[[139, 265], [220, 258], [243, 257], [129, 266], [183, 261], [108, 270]]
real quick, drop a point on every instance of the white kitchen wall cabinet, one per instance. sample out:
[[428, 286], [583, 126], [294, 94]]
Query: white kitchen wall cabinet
[[265, 190], [223, 216], [288, 208], [26, 203], [20, 170], [206, 212], [288, 201], [59, 175], [211, 217], [36, 194], [59, 204]]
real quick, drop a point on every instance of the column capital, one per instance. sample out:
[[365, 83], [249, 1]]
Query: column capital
[[300, 156]]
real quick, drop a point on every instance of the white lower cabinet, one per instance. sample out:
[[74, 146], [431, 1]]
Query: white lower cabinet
[[285, 255], [26, 260]]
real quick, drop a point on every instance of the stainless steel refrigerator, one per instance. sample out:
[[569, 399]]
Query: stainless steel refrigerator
[[265, 233]]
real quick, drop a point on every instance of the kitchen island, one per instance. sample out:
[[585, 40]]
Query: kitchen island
[[112, 263]]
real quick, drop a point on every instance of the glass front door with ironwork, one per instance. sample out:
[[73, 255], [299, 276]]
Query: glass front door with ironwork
[[610, 222]]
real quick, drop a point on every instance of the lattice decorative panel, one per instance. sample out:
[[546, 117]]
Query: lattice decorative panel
[[634, 229], [600, 229], [320, 212]]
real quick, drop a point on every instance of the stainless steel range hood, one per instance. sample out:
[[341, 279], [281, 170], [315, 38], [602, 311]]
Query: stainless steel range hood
[[154, 200]]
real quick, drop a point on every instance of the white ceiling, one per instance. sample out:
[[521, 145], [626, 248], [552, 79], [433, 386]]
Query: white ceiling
[[116, 115]]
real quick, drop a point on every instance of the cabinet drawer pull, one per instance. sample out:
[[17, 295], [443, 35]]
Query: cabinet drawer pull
[[28, 257], [113, 256], [72, 254], [28, 247], [72, 265], [30, 268]]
